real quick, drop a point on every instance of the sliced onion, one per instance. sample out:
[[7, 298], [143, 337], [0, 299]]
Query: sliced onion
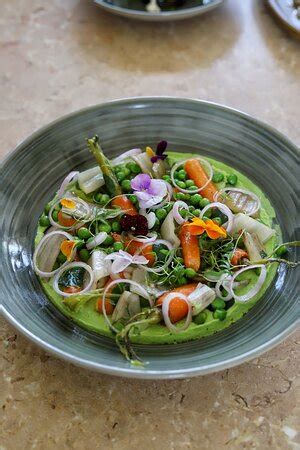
[[256, 288], [176, 214], [257, 202], [70, 266], [98, 239], [224, 209], [225, 282], [168, 261], [73, 227], [151, 237], [142, 292], [40, 247], [165, 312], [65, 183], [128, 154], [192, 191]]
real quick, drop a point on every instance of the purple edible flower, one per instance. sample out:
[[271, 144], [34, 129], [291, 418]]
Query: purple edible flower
[[137, 224], [160, 150], [149, 192]]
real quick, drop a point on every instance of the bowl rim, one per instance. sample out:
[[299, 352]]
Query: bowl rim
[[133, 372], [163, 15]]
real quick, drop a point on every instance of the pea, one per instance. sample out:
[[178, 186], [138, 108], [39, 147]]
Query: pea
[[189, 183], [120, 176], [80, 244], [204, 202], [218, 303], [179, 196], [84, 233], [193, 188], [108, 241], [182, 281], [118, 246], [281, 251], [61, 258], [105, 227], [109, 250], [44, 221], [192, 208], [167, 178], [134, 168], [181, 184], [187, 197], [207, 214], [218, 220], [84, 255], [98, 197], [190, 273], [126, 185], [196, 199], [200, 318], [218, 177], [119, 167], [105, 199], [156, 223], [47, 209], [116, 227], [183, 213], [220, 314], [55, 216], [197, 212], [161, 213], [181, 175], [127, 172], [133, 199], [232, 179], [168, 207]]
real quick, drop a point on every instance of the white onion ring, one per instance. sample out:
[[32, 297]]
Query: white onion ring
[[243, 191], [66, 181], [39, 247], [227, 278], [168, 261], [176, 214], [128, 154], [192, 191], [256, 287], [224, 209], [165, 312], [151, 237], [57, 225], [120, 281], [97, 240], [70, 266]]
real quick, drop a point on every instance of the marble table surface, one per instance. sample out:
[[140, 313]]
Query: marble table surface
[[59, 56]]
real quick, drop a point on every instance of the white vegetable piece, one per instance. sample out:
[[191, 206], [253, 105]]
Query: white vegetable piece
[[139, 276], [243, 222], [134, 305], [168, 230], [90, 180], [144, 161], [128, 305], [253, 246], [201, 297], [100, 267]]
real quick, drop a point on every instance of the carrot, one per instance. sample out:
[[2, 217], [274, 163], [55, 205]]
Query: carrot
[[72, 289], [190, 249], [133, 247], [238, 255], [178, 308], [109, 308], [196, 173], [125, 204], [117, 237], [64, 220]]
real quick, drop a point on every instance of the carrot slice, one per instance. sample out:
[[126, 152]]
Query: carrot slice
[[186, 289], [190, 249], [178, 308], [109, 308], [196, 173], [125, 204], [64, 220], [133, 247], [72, 289], [238, 255]]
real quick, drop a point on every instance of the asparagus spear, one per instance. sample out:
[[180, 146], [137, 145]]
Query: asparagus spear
[[109, 176]]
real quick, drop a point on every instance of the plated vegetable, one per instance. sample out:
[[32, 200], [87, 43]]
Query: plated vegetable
[[156, 246]]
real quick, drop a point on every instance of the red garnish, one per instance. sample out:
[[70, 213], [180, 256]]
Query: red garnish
[[136, 225]]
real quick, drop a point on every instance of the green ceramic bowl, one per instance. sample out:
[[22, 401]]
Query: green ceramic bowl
[[33, 172], [135, 9]]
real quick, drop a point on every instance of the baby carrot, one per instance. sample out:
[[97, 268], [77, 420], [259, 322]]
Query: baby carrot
[[190, 249], [125, 204], [64, 220], [237, 256], [178, 308], [196, 173]]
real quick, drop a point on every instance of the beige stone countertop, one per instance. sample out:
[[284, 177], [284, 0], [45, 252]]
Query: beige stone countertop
[[58, 56]]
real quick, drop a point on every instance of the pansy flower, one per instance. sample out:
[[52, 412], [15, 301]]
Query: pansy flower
[[136, 225], [149, 192], [160, 150]]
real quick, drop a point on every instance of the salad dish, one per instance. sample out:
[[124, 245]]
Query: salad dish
[[156, 246]]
